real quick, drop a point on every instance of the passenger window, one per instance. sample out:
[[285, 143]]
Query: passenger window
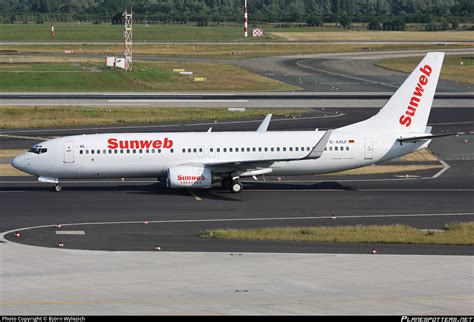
[[115, 151], [158, 151], [225, 150], [128, 150], [218, 149], [284, 149], [272, 149], [335, 148], [291, 149], [92, 151], [211, 150], [266, 149], [110, 151], [172, 150], [259, 149], [230, 149], [296, 149], [347, 148], [200, 149], [330, 148], [147, 150], [140, 151], [121, 151], [80, 152], [104, 151], [184, 150], [254, 149], [194, 150], [152, 150], [278, 149]]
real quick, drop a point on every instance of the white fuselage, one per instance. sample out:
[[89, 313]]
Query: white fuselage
[[141, 154]]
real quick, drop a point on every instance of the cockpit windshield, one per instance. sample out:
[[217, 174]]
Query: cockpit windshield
[[38, 149]]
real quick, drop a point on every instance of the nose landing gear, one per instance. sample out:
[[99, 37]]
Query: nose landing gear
[[57, 187]]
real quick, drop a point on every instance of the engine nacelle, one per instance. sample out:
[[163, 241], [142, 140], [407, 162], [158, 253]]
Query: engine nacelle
[[189, 177]]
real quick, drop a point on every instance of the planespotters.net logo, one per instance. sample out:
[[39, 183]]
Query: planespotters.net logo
[[437, 319]]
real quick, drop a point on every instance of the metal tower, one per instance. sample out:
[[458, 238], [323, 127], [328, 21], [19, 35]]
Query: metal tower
[[127, 36]]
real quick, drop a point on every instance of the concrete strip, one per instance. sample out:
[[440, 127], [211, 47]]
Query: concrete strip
[[48, 281]]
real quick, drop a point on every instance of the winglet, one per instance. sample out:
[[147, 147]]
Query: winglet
[[319, 148], [264, 125]]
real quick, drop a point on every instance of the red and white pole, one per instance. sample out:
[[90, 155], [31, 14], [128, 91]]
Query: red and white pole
[[245, 20]]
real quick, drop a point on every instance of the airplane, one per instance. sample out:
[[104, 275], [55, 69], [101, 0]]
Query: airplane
[[197, 160]]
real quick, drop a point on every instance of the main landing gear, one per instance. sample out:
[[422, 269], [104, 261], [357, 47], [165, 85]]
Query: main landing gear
[[57, 187], [233, 185]]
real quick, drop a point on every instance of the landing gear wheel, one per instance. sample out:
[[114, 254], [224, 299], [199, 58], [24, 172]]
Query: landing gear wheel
[[236, 186], [57, 188]]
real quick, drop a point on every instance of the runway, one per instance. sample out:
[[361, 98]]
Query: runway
[[176, 217]]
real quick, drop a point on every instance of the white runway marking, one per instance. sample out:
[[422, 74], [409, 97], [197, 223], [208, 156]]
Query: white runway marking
[[159, 100], [70, 232]]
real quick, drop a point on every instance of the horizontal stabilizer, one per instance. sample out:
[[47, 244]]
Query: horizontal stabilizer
[[424, 137]]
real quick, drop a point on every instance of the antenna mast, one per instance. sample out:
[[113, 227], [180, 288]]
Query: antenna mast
[[127, 35]]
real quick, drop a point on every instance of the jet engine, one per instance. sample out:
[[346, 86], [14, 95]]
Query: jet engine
[[189, 177]]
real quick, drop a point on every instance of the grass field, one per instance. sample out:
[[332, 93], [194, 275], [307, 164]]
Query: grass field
[[47, 117], [23, 75], [454, 234], [376, 36], [86, 32], [452, 68], [75, 32], [228, 51]]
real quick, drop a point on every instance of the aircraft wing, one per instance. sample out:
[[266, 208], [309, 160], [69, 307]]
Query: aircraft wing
[[259, 166]]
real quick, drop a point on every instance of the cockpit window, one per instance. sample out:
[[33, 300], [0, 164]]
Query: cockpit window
[[38, 149]]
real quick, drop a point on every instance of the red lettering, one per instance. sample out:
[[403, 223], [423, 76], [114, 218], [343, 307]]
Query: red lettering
[[157, 144], [405, 120], [410, 111], [168, 143], [139, 144], [426, 70], [418, 90], [145, 144], [134, 144], [123, 144], [423, 80], [112, 143]]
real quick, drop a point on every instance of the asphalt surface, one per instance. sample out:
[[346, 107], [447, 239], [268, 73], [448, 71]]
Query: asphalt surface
[[176, 217]]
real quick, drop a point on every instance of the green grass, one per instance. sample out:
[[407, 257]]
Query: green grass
[[86, 32], [83, 76], [455, 234], [451, 70], [228, 51], [48, 117]]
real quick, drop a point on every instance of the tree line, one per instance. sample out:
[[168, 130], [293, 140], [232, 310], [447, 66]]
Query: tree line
[[379, 14]]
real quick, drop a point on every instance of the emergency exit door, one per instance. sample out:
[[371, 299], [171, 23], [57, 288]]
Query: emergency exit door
[[368, 149], [68, 152]]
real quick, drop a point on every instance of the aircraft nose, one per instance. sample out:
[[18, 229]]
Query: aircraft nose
[[19, 162]]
